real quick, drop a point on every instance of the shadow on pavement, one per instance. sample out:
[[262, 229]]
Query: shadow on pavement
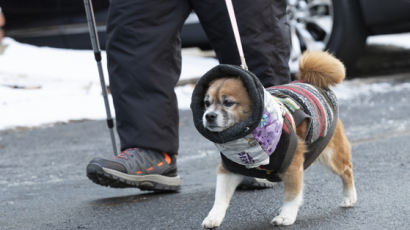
[[127, 200]]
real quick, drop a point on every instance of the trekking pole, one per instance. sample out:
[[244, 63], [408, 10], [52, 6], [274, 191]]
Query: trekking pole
[[97, 54]]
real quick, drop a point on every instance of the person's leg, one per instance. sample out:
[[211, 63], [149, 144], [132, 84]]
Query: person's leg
[[264, 33], [144, 64]]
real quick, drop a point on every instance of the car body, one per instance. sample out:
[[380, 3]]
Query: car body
[[63, 24], [340, 26]]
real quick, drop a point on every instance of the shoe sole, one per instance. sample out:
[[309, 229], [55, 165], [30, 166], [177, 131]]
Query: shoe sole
[[116, 179]]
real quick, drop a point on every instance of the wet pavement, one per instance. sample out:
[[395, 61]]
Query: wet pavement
[[43, 183]]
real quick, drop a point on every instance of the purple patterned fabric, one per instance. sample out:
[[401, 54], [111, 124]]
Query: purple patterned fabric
[[268, 133]]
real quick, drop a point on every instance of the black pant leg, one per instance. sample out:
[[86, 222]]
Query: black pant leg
[[144, 64], [264, 33]]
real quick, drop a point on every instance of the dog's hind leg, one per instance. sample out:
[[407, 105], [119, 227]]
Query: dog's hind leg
[[226, 183], [337, 157], [293, 182]]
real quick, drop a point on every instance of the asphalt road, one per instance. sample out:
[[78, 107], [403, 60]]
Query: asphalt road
[[43, 183]]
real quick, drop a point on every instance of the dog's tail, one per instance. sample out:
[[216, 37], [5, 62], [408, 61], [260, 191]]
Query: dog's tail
[[321, 69]]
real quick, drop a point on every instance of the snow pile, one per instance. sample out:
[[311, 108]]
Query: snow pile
[[355, 88], [184, 94], [63, 85], [398, 40]]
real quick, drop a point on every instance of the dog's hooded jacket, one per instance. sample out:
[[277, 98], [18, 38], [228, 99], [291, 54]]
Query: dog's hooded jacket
[[264, 144]]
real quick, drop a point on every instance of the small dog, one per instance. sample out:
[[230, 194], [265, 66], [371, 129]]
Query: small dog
[[227, 102]]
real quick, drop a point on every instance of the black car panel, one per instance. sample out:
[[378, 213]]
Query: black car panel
[[386, 16]]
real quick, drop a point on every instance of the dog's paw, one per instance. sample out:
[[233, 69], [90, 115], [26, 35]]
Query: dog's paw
[[348, 202], [349, 199], [213, 220], [283, 220]]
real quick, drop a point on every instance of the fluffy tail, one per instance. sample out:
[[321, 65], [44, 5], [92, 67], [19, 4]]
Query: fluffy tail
[[321, 69]]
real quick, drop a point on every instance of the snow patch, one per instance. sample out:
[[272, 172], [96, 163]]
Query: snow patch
[[398, 40], [42, 85], [355, 88], [62, 85], [184, 94]]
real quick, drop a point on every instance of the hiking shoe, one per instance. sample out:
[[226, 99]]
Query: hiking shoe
[[250, 183], [135, 167]]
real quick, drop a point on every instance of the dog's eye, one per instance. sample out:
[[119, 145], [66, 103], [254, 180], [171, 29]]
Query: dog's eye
[[228, 103], [207, 103]]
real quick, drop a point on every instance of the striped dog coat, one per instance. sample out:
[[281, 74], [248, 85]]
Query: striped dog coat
[[318, 104], [303, 102]]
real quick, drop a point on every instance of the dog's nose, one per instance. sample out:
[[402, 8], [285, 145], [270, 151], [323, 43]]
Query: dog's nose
[[210, 117]]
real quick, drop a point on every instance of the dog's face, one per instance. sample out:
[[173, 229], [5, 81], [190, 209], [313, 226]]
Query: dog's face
[[226, 103]]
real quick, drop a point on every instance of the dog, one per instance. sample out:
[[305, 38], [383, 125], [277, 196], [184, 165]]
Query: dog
[[227, 102]]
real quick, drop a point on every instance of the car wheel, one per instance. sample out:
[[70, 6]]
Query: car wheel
[[333, 25]]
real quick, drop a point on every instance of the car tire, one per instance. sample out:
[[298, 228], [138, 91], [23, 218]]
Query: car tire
[[333, 25]]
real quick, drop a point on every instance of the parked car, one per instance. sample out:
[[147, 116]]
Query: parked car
[[340, 26], [63, 24]]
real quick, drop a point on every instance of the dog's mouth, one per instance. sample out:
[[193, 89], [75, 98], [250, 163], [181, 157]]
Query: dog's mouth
[[214, 128]]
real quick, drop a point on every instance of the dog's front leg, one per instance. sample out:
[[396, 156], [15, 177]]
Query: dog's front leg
[[293, 182], [226, 183], [291, 204]]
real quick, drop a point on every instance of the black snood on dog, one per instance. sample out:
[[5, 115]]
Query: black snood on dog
[[239, 130]]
